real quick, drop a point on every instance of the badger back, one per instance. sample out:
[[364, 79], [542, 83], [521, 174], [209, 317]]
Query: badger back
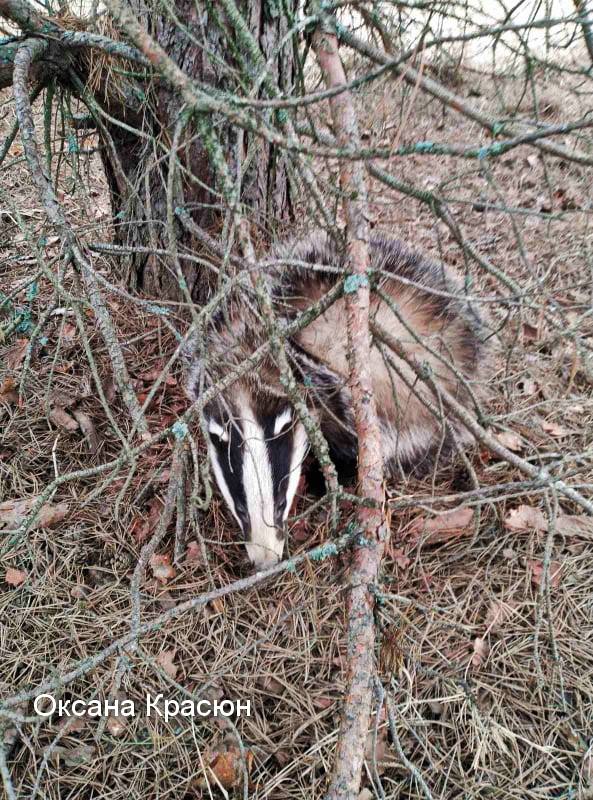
[[415, 301]]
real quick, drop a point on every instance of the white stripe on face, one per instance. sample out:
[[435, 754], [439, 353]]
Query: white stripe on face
[[218, 430], [264, 546], [300, 446], [282, 420]]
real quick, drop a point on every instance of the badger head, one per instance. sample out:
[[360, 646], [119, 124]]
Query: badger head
[[257, 446]]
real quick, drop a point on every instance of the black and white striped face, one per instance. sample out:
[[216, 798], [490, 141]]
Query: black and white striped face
[[257, 451]]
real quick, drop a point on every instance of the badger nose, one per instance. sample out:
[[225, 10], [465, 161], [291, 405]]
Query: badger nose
[[261, 556]]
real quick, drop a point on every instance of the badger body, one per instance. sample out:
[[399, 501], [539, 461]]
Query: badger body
[[257, 444]]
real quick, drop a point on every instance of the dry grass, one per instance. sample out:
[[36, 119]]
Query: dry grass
[[492, 679]]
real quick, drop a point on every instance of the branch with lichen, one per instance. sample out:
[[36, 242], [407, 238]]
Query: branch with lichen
[[367, 554], [28, 51]]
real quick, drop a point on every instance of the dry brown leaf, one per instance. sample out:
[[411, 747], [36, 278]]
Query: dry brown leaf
[[16, 355], [165, 661], [227, 768], [524, 518], [62, 419], [154, 374], [481, 651], [446, 526], [116, 725], [556, 430], [13, 512], [162, 569], [8, 392], [14, 577], [400, 558], [143, 524], [69, 332], [512, 441], [567, 525], [75, 756], [537, 572], [193, 553], [498, 613], [530, 333], [88, 428], [51, 514]]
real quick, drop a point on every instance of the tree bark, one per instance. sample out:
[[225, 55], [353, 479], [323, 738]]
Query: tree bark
[[136, 155], [139, 196]]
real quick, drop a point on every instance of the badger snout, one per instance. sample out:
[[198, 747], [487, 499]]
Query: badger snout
[[266, 550]]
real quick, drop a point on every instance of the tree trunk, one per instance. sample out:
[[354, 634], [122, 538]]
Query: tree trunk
[[137, 168], [136, 154]]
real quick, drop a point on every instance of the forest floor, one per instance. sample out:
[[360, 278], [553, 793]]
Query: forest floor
[[486, 624]]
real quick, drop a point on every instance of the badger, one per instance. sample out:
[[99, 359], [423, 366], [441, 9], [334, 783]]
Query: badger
[[257, 443]]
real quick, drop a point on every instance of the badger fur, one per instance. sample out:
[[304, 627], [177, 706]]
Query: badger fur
[[257, 444]]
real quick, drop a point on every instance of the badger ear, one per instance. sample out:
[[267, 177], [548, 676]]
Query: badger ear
[[316, 376]]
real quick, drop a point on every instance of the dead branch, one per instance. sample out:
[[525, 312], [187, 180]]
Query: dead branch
[[367, 553]]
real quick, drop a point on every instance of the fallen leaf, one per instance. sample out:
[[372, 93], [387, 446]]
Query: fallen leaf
[[116, 725], [193, 553], [16, 355], [14, 512], [567, 525], [400, 558], [165, 661], [162, 568], [556, 430], [61, 419], [537, 572], [69, 332], [446, 526], [524, 518], [498, 613], [270, 684], [227, 768], [75, 756], [8, 392], [88, 428], [481, 651], [51, 514], [154, 374], [512, 441], [530, 333], [143, 524], [14, 577]]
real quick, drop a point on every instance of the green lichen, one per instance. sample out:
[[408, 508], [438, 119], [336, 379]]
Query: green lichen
[[158, 310], [73, 144], [355, 282], [323, 551], [424, 147], [179, 430]]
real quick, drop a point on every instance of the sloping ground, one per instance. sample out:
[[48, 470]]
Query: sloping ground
[[488, 663]]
